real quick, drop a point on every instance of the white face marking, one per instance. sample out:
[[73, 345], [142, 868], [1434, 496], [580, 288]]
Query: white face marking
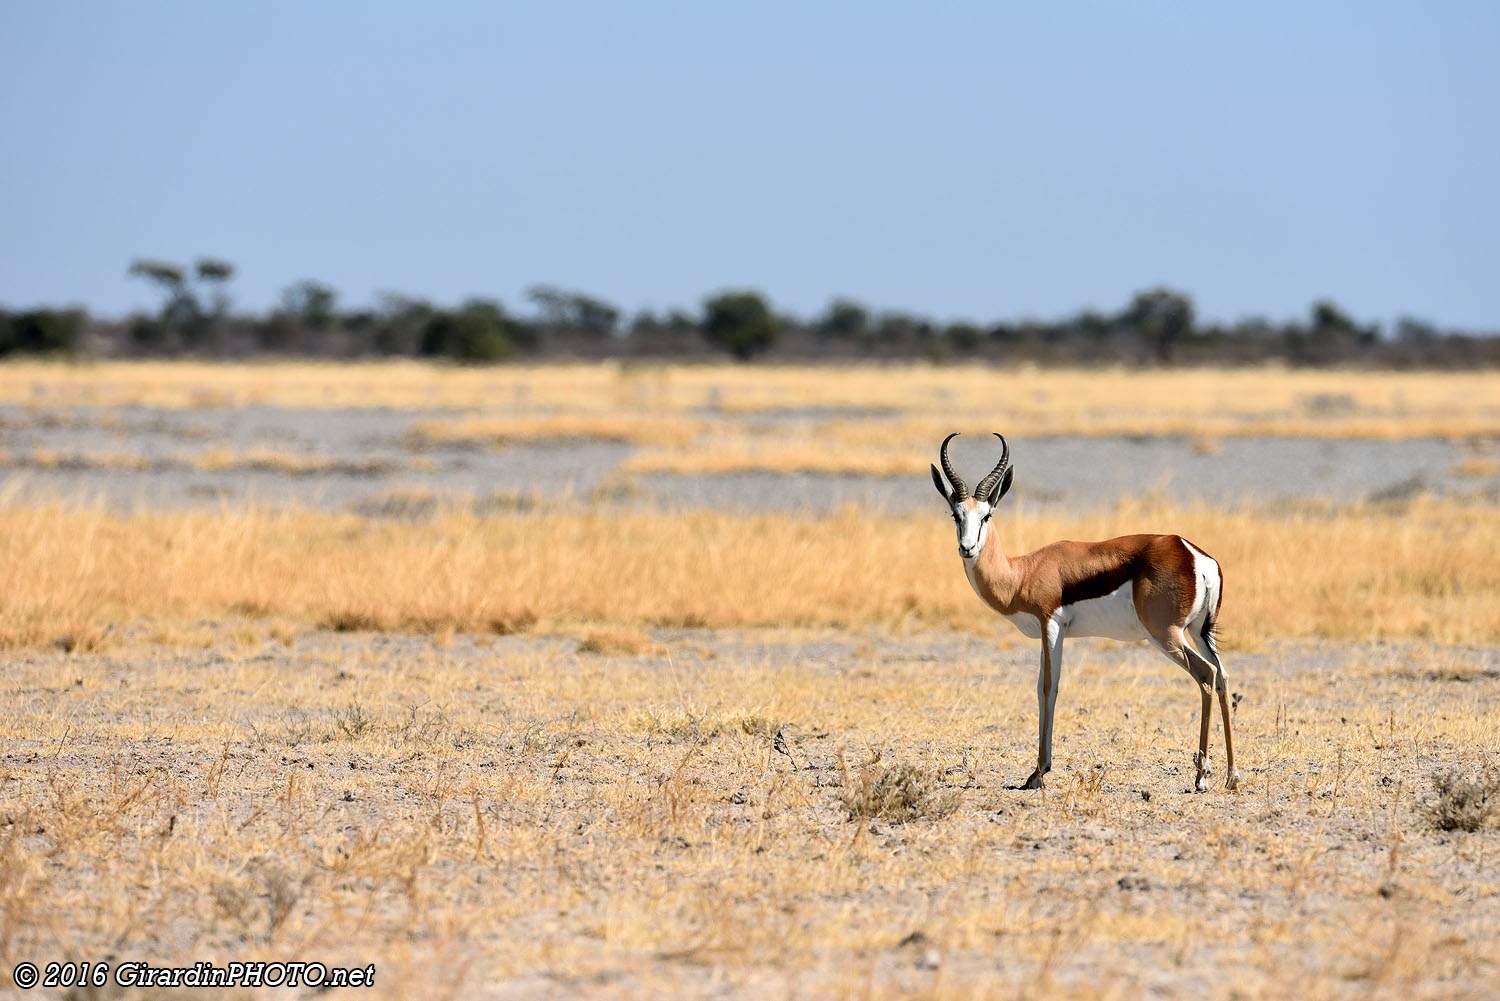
[[972, 519]]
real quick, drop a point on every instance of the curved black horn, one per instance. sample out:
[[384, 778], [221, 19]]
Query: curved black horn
[[960, 491], [988, 483]]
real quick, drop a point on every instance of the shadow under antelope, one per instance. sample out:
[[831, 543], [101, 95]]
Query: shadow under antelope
[[1158, 588]]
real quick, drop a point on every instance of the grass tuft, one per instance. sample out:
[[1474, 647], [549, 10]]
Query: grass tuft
[[1463, 804], [899, 794], [616, 642], [352, 721]]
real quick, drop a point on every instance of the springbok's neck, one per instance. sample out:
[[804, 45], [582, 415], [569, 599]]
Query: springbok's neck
[[993, 571]]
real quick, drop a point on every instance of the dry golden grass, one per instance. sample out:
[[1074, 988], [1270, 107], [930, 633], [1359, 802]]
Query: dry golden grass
[[50, 458], [1476, 466], [513, 818], [742, 454], [905, 446], [1424, 569], [1177, 400], [1025, 400], [272, 461], [616, 642], [218, 460]]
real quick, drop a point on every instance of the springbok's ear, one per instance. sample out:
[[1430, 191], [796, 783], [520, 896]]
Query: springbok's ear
[[1000, 488], [937, 481]]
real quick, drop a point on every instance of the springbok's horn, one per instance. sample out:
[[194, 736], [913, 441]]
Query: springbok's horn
[[960, 491], [988, 483]]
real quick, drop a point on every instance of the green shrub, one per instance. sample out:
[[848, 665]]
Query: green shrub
[[740, 322], [41, 331], [476, 332]]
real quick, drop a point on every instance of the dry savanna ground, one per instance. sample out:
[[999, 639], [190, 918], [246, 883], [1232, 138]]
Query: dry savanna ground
[[586, 751], [533, 817], [227, 742]]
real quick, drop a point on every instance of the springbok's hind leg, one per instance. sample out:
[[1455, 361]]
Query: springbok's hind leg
[[1175, 646], [1231, 774]]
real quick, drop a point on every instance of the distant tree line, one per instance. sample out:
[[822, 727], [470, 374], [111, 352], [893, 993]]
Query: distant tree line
[[1158, 326]]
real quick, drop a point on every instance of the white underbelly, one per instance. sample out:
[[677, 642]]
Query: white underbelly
[[1111, 616]]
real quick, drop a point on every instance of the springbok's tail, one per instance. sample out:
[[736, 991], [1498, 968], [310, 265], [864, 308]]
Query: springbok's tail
[[1215, 598]]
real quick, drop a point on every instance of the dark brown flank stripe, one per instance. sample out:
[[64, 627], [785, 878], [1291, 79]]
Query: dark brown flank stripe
[[1106, 581]]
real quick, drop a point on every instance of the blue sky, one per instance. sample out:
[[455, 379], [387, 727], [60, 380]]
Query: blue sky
[[962, 160]]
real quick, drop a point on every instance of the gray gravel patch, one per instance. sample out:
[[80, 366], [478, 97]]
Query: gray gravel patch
[[1076, 474], [373, 459], [370, 448]]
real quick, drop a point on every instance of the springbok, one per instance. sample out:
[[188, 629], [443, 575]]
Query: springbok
[[1159, 588]]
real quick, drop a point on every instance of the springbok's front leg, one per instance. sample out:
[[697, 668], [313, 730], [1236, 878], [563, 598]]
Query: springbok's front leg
[[1047, 677]]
